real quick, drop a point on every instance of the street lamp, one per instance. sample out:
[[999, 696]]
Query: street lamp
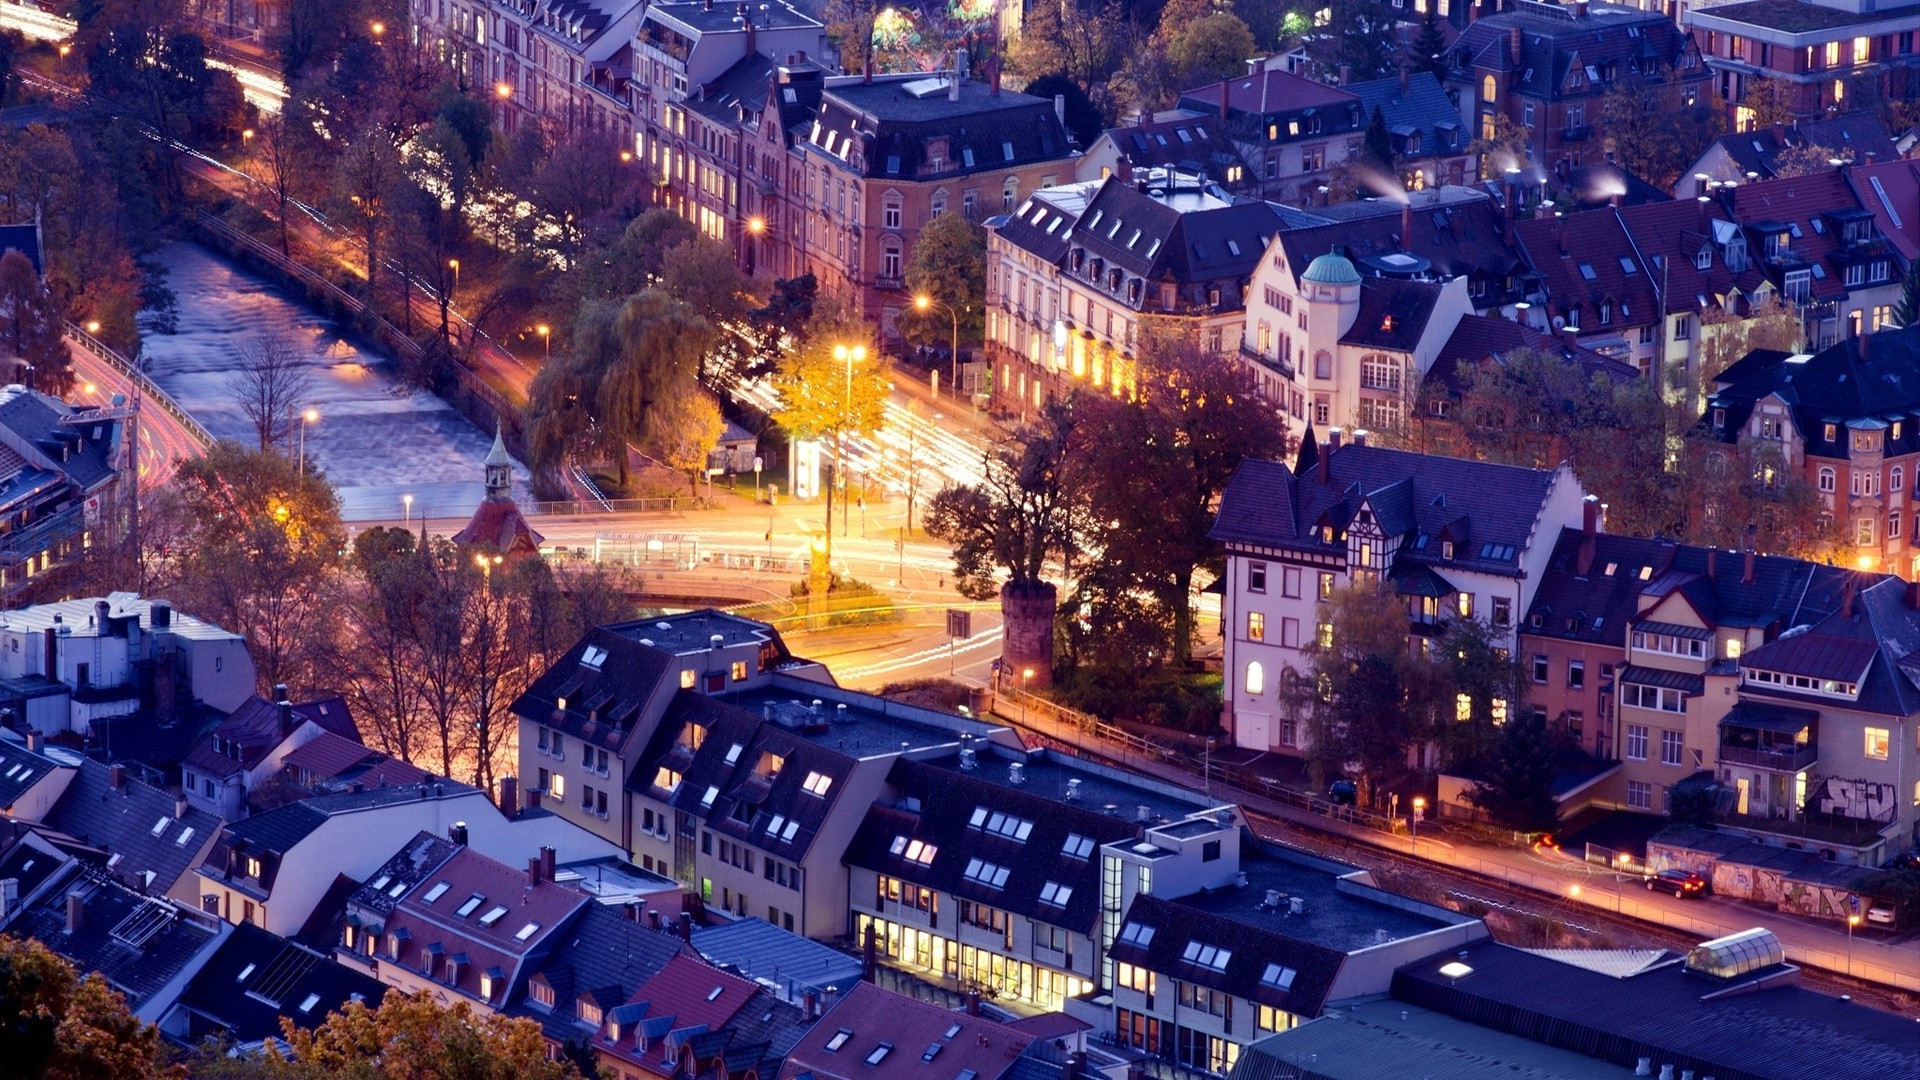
[[1026, 677], [546, 339], [378, 28], [407, 502], [503, 91], [953, 375], [486, 565], [306, 418], [755, 226], [93, 326], [850, 356], [1413, 823], [1852, 921], [455, 265]]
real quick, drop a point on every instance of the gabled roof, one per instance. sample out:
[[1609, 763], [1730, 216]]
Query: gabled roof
[[1273, 91], [1863, 644], [140, 945], [420, 856], [490, 913], [1458, 231], [143, 826], [1800, 205], [1172, 232], [1553, 38], [758, 949], [20, 769], [1891, 189], [254, 729], [1183, 138], [1875, 377], [1587, 261], [1250, 952], [81, 453], [606, 957], [688, 999], [1393, 314], [1672, 236], [499, 524], [331, 761], [255, 978], [1420, 112], [924, 1041], [1851, 135], [1478, 338]]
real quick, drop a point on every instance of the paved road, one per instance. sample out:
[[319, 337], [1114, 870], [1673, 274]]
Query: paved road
[[164, 441]]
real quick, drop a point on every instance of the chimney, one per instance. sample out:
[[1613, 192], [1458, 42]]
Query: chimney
[[1333, 439], [686, 926], [1590, 514], [52, 656], [1346, 74], [1870, 155], [867, 958], [1846, 598], [285, 704], [1473, 13], [1570, 335], [510, 796], [808, 1002], [100, 609], [1713, 557], [866, 74], [533, 798], [1360, 437], [160, 615], [34, 740], [1913, 604], [746, 17], [1060, 110], [76, 911], [1747, 537], [1225, 84], [458, 833], [1579, 9], [706, 5], [546, 861], [1326, 477], [1779, 133], [1614, 202], [993, 77], [533, 871], [180, 806], [1514, 44], [973, 1003], [1070, 1066], [1406, 80], [116, 776], [9, 897], [953, 78]]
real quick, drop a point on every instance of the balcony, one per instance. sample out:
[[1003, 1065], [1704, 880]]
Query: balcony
[[1783, 758], [1769, 736], [1821, 828]]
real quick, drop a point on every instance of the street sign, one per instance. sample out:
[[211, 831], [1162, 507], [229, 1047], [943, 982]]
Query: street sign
[[959, 623]]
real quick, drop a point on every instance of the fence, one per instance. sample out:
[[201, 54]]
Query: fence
[[148, 388]]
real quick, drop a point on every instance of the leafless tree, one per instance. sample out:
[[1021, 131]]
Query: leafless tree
[[272, 385]]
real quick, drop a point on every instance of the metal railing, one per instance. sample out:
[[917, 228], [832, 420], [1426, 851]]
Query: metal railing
[[148, 388], [1792, 760]]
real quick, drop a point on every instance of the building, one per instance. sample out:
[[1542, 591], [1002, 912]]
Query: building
[[252, 980], [797, 967], [1546, 66], [155, 836], [1818, 246], [860, 1033], [1757, 154], [608, 957], [251, 746], [1843, 413], [565, 67], [694, 1017], [1454, 538], [32, 778], [1594, 285], [328, 764], [888, 154], [497, 527], [1818, 53], [1423, 126], [1199, 976], [1289, 131], [1446, 406], [58, 466], [276, 869], [1177, 140], [1006, 870], [707, 752], [1077, 281]]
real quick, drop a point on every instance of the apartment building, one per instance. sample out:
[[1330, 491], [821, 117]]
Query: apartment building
[[1290, 131], [1078, 275], [251, 746], [1758, 154], [1819, 53], [1546, 66], [563, 66], [1454, 539], [1845, 416]]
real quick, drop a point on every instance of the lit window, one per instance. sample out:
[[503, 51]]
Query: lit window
[[1257, 625], [666, 780], [687, 679], [817, 783], [1878, 742]]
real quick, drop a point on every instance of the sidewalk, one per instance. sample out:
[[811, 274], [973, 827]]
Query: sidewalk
[[1809, 944]]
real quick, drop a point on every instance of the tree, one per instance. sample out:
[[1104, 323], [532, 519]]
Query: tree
[[56, 1025], [704, 274], [411, 1036], [1806, 159], [1657, 127], [1367, 698], [830, 385], [1505, 147], [1085, 43], [1083, 119], [256, 546], [948, 265], [646, 355], [1211, 48], [1516, 781], [1377, 159], [31, 326], [690, 425], [380, 666], [272, 385], [281, 168], [1428, 50], [161, 78], [1359, 40], [1020, 516], [1769, 101], [1908, 308], [1726, 336], [1484, 677]]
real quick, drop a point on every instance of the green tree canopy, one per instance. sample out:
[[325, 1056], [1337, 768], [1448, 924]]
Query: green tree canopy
[[55, 1025], [948, 265], [1021, 515]]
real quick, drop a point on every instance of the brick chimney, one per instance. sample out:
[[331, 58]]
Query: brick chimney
[[1225, 85], [686, 927], [533, 871], [510, 796], [1590, 515], [1406, 225], [1747, 539], [868, 960], [1846, 597], [1360, 436], [1713, 554], [1514, 44], [116, 776], [76, 911], [546, 861]]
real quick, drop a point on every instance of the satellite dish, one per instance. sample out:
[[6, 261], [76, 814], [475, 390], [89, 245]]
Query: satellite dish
[[1559, 322]]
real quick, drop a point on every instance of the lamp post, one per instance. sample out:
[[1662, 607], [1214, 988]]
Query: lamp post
[[454, 264], [953, 374], [1852, 921], [486, 564], [1413, 823], [546, 339], [1026, 677], [407, 502], [848, 355], [306, 418], [755, 226]]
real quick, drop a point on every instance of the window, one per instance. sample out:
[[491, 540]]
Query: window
[[1000, 824], [817, 783], [667, 780], [1639, 795], [1489, 90], [1539, 668], [1257, 577], [1863, 532], [1256, 678], [1576, 674], [1502, 611], [1465, 605], [1137, 934], [687, 679], [1077, 846], [1278, 976], [1136, 978], [1056, 894], [557, 786], [1878, 741], [839, 1040], [1653, 697], [1290, 582], [986, 873], [1325, 587], [1636, 742], [1256, 626], [890, 214], [1207, 956], [1672, 743], [1826, 475]]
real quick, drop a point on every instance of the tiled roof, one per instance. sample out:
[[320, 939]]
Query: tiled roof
[[890, 128], [1640, 43], [1459, 231], [490, 913], [34, 419], [139, 823], [1836, 385], [1043, 224], [925, 1042], [1607, 184], [1393, 314], [1851, 135], [1667, 1014], [1587, 261], [607, 957], [251, 731], [1273, 91], [1420, 112], [688, 998], [1184, 138], [328, 758], [760, 950], [1803, 204], [498, 524], [1477, 338], [420, 856], [1174, 235], [255, 978], [1872, 641], [627, 674], [138, 944], [20, 769], [1891, 189]]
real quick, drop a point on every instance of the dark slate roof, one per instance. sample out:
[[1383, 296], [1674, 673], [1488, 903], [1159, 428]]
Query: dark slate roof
[[1480, 506], [1272, 93], [1666, 1013], [254, 978], [1351, 1044], [949, 799], [739, 90], [1176, 925], [278, 829], [415, 860], [1850, 135], [1607, 184], [32, 856], [137, 943], [1479, 338], [1553, 39], [1042, 225], [251, 731], [534, 918], [758, 949], [1585, 261], [20, 769], [1393, 314], [1836, 385], [1185, 139], [1458, 231], [880, 130], [1171, 234], [1872, 640], [127, 821], [606, 957], [1420, 116], [720, 18], [1794, 17], [34, 420]]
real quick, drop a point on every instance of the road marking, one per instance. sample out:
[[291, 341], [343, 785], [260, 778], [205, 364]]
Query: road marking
[[887, 667]]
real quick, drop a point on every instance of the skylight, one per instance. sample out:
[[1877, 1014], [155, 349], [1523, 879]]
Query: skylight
[[1137, 934], [914, 850], [1207, 956], [1586, 271], [733, 753], [161, 825], [186, 834], [593, 657], [714, 994], [1056, 894], [307, 1003], [1278, 976], [1000, 824], [467, 908], [712, 794], [839, 1039], [933, 1050], [951, 1032], [527, 931], [879, 1053], [436, 892], [398, 888], [381, 881], [817, 783], [244, 972], [1077, 846], [493, 915], [986, 873]]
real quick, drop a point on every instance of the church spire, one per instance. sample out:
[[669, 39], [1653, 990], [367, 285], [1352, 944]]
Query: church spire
[[499, 467]]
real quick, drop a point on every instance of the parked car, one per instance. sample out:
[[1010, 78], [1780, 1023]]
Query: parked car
[[1343, 792], [1681, 883], [1880, 912], [1906, 860]]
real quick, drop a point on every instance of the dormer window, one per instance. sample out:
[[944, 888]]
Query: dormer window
[[1703, 260]]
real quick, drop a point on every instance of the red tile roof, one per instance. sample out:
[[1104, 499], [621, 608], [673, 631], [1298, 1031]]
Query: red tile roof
[[498, 524], [688, 995], [1891, 190], [925, 1041], [1283, 92], [1586, 260], [1798, 202], [500, 941]]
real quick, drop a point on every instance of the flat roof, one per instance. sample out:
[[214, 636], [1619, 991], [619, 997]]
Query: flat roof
[[693, 631], [613, 881], [1352, 1043], [1100, 789], [74, 614], [1332, 917], [857, 725], [792, 964]]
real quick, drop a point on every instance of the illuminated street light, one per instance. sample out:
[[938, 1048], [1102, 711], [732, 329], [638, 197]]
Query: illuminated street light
[[93, 326], [306, 418], [1413, 823], [378, 28], [502, 90], [546, 339], [407, 502]]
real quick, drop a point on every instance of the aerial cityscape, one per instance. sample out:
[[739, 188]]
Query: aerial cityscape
[[1058, 540]]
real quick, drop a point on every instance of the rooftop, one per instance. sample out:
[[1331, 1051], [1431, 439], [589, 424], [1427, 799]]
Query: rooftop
[[694, 631], [1336, 915], [255, 978], [1099, 789], [74, 614], [788, 964], [137, 943], [153, 835], [854, 724], [899, 1038], [1350, 1044], [709, 18], [1795, 17]]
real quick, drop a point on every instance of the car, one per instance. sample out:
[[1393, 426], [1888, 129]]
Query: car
[[1343, 792], [1681, 883], [1906, 860], [1880, 912]]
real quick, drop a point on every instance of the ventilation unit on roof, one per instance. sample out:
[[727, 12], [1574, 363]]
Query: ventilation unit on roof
[[1016, 773], [1073, 790], [968, 759], [1144, 812], [1272, 901]]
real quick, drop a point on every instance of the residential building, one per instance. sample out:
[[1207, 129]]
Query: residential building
[[118, 656], [328, 764], [1819, 247], [155, 836], [1547, 67], [1631, 648], [1344, 349], [1847, 412], [252, 981], [1825, 56], [715, 1023], [888, 154], [565, 67], [1887, 188], [1731, 1007], [1446, 409], [707, 752], [1076, 282], [861, 1032], [1289, 131], [1007, 870], [1757, 153], [1454, 538], [32, 777], [799, 969], [1199, 976], [571, 990], [58, 466], [251, 746], [1423, 126], [1177, 140], [275, 869], [1594, 285]]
